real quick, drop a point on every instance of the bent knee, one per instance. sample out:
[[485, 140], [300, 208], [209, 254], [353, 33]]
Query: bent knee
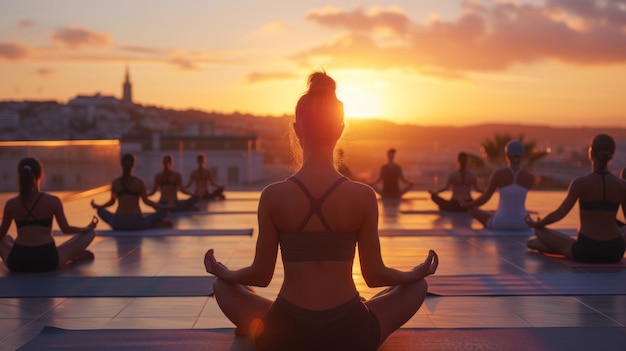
[[421, 286], [222, 287], [89, 234]]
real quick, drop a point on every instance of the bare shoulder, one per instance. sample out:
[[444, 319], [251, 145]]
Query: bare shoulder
[[527, 174], [12, 202], [500, 173], [358, 191], [276, 191], [52, 200]]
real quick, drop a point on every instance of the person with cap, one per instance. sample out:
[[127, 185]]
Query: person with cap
[[599, 195], [513, 184], [391, 175], [462, 181]]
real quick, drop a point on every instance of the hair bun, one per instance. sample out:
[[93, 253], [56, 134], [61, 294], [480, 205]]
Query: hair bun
[[320, 82]]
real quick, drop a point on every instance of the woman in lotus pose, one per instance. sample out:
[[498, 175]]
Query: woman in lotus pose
[[34, 249], [317, 217], [170, 183], [513, 183], [599, 195], [127, 190]]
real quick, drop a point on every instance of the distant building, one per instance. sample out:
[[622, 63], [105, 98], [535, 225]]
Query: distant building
[[97, 100], [127, 93], [67, 164], [9, 120]]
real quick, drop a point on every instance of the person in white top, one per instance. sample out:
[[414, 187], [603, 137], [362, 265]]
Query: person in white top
[[513, 184]]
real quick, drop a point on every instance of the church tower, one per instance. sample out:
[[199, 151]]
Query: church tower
[[127, 95]]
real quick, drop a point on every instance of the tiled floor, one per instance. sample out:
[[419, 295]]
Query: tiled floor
[[22, 318]]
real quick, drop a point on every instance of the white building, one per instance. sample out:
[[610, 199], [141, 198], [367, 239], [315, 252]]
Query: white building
[[234, 160], [67, 164], [9, 120]]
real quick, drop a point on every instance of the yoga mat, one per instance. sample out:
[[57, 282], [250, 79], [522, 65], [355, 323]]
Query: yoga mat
[[449, 213], [566, 262], [42, 285], [556, 284], [207, 213], [510, 339], [51, 338], [169, 232], [453, 232]]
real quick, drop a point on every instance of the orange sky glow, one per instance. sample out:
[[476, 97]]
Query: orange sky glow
[[454, 62]]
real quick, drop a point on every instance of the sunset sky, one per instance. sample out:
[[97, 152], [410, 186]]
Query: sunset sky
[[441, 62]]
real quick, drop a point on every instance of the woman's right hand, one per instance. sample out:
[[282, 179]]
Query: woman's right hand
[[429, 266], [93, 224]]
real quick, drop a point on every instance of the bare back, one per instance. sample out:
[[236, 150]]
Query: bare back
[[462, 182], [306, 283], [128, 193], [46, 207], [169, 182], [200, 178], [597, 188]]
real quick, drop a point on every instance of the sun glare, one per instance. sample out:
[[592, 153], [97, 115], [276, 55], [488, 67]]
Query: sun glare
[[359, 101]]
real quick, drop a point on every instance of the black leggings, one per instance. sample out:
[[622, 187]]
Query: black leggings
[[596, 251], [350, 326], [42, 258], [452, 205]]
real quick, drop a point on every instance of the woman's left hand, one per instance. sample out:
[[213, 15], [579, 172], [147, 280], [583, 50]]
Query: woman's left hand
[[532, 223], [212, 266]]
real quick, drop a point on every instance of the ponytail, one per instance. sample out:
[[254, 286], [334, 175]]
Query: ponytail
[[602, 149], [29, 173]]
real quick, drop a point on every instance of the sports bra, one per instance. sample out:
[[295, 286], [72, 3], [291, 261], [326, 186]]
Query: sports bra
[[602, 205], [125, 190], [165, 179], [44, 222], [319, 245]]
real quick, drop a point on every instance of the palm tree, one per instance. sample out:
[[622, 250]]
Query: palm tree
[[493, 150]]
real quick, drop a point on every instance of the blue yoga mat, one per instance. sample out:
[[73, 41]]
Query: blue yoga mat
[[458, 339], [42, 285]]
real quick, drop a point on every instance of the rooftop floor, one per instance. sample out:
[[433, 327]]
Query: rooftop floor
[[21, 319]]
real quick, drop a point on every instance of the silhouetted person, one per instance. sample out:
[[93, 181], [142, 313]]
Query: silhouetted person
[[34, 249], [599, 195], [318, 217], [462, 181], [170, 182], [391, 176], [126, 191], [203, 178]]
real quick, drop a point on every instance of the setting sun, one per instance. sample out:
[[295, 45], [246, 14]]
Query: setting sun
[[359, 101]]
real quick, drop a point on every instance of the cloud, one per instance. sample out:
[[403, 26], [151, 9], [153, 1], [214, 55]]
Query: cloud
[[25, 23], [14, 51], [77, 37], [45, 71], [142, 49], [358, 20], [270, 28], [184, 63], [256, 77], [483, 38]]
